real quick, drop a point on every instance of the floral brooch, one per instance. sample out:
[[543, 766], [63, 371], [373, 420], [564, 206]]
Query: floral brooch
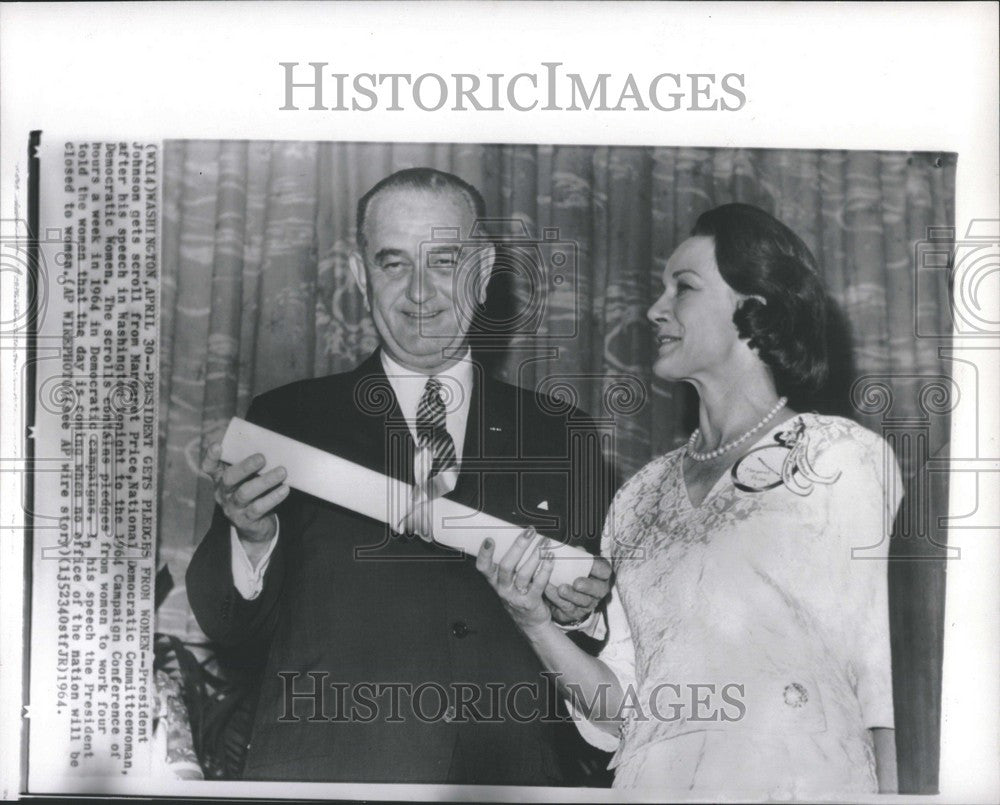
[[786, 462]]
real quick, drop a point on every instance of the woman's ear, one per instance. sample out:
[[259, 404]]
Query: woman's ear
[[741, 300]]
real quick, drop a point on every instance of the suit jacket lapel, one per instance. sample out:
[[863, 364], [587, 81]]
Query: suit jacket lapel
[[489, 434]]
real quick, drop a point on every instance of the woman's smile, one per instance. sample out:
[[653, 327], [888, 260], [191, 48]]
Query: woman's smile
[[666, 343]]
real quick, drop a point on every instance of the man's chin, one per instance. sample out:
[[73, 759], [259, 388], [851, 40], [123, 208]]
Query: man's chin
[[425, 354]]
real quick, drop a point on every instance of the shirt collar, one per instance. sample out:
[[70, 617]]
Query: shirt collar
[[408, 385]]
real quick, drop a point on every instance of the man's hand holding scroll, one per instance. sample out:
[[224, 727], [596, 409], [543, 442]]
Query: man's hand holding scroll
[[574, 604], [247, 498]]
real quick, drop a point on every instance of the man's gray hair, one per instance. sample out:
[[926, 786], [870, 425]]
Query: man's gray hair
[[429, 179]]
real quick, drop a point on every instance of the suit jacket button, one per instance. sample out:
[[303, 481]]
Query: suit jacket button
[[460, 629]]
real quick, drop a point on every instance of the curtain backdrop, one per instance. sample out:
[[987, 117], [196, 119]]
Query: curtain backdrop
[[256, 290]]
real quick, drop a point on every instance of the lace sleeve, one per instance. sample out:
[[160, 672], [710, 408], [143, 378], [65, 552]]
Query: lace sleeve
[[618, 654], [862, 507]]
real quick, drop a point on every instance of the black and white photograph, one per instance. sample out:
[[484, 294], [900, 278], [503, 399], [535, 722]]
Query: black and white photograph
[[728, 328], [450, 422]]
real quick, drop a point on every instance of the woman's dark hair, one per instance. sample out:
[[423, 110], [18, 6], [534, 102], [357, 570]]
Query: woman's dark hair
[[758, 256]]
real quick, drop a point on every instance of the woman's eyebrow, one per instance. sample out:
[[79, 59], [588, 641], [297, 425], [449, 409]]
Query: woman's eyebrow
[[680, 271]]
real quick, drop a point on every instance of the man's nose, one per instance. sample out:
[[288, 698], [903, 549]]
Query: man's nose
[[420, 288]]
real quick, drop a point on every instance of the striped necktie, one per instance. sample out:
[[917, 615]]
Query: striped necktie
[[431, 430]]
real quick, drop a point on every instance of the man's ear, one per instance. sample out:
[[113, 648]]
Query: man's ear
[[487, 257], [357, 265]]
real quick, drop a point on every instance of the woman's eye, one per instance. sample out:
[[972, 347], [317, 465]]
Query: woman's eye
[[682, 287]]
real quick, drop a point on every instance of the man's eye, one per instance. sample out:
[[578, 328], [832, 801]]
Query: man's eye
[[393, 265], [442, 260], [682, 287]]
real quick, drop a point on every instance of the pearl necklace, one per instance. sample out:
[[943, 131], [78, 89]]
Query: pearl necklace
[[718, 451]]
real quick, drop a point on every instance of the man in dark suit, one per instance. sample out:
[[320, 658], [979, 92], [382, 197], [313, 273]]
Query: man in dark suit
[[388, 658]]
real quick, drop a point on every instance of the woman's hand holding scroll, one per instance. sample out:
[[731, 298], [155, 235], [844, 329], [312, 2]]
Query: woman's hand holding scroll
[[520, 588]]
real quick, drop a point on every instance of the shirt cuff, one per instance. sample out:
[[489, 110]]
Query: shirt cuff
[[247, 579], [592, 626]]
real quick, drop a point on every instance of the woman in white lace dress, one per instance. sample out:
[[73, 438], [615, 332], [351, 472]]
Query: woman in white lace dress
[[748, 650]]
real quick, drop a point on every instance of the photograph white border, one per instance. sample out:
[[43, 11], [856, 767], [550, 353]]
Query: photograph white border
[[859, 76]]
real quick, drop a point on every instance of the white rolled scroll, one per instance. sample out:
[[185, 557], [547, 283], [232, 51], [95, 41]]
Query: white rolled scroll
[[344, 483]]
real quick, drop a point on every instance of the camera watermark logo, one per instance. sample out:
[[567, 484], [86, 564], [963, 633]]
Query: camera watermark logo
[[91, 395], [33, 263], [968, 270], [541, 275]]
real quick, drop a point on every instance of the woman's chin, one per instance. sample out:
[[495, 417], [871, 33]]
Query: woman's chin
[[665, 368]]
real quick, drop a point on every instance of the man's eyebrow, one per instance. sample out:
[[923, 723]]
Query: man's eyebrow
[[382, 254], [444, 250]]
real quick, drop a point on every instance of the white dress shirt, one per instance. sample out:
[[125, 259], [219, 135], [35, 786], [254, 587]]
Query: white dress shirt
[[408, 386]]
